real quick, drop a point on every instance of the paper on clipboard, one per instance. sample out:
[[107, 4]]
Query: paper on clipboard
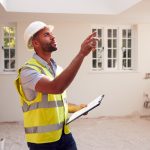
[[96, 102]]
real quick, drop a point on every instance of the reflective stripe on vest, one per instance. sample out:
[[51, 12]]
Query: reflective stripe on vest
[[43, 104], [42, 129]]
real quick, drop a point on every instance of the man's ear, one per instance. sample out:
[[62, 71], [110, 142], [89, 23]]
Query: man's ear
[[35, 42]]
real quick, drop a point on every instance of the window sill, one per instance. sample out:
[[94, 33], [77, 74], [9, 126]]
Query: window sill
[[8, 73], [113, 71]]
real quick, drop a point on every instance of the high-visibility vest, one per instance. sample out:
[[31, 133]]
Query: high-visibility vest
[[45, 116]]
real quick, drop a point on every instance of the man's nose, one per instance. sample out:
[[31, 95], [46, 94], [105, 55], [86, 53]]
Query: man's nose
[[52, 37]]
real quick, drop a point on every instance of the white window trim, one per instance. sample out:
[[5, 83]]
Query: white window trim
[[119, 54]]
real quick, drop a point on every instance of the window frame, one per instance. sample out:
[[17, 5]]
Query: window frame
[[2, 57], [119, 58]]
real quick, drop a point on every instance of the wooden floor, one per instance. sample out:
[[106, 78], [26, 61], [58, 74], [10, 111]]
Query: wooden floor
[[131, 133]]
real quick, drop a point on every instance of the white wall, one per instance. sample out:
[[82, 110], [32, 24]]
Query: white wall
[[144, 59], [123, 91]]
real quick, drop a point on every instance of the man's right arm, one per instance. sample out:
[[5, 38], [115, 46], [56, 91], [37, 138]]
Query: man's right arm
[[61, 82]]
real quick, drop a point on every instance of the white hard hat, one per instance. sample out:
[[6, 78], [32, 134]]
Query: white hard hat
[[33, 28]]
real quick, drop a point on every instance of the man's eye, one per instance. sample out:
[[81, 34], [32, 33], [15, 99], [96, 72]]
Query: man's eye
[[46, 34]]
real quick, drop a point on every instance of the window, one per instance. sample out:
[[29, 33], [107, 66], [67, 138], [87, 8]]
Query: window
[[8, 53], [114, 50]]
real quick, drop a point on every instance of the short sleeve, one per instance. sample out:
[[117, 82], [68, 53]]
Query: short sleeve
[[29, 78]]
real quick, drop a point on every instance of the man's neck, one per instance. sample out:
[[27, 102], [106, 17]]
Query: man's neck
[[45, 56]]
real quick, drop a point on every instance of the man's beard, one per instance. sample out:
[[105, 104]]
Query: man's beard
[[49, 48]]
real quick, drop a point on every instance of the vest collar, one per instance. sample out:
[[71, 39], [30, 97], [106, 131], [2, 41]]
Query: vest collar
[[45, 64]]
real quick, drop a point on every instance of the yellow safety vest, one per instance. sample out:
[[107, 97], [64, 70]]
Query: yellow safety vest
[[46, 115]]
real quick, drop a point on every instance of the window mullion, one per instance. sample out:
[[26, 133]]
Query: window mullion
[[105, 49], [120, 46]]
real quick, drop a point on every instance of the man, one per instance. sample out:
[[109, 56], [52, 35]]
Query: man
[[42, 84]]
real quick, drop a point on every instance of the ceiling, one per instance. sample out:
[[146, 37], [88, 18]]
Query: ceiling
[[107, 7]]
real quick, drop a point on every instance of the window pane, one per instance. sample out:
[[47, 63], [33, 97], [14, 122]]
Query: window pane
[[12, 64], [123, 43], [124, 54], [114, 33], [12, 53], [99, 53], [114, 63], [124, 33], [109, 43], [12, 31], [6, 64], [12, 43], [124, 62], [114, 53], [109, 53], [94, 54], [129, 53], [129, 63], [6, 31], [129, 33], [94, 63], [114, 43], [109, 63], [99, 33], [109, 33], [6, 53], [99, 63], [129, 43], [100, 43], [6, 42]]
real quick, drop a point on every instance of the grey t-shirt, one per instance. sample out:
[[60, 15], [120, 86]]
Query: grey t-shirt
[[29, 77]]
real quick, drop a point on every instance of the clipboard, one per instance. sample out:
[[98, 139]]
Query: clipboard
[[96, 102]]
